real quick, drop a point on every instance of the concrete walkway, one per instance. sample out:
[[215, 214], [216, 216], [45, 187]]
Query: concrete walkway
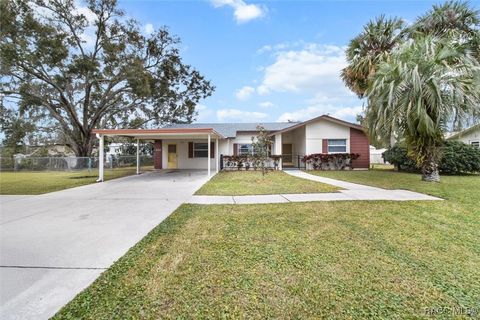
[[350, 192], [52, 246]]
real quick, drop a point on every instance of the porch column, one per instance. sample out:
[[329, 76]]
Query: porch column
[[278, 148], [138, 156], [100, 157], [217, 159], [208, 155]]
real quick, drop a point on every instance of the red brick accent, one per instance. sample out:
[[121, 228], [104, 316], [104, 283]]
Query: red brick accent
[[157, 154], [190, 150], [324, 145], [235, 149], [359, 144]]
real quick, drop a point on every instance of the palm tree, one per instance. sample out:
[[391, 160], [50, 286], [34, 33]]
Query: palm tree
[[368, 49], [420, 86]]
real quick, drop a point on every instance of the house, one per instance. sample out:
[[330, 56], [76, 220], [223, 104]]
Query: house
[[188, 146], [469, 136]]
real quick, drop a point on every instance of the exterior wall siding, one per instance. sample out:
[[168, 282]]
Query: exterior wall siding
[[359, 144], [321, 130], [469, 137], [183, 161]]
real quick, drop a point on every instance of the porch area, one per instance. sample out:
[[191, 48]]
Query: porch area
[[291, 146], [173, 148]]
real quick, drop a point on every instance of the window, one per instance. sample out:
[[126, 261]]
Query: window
[[337, 145], [476, 144], [200, 150], [245, 148]]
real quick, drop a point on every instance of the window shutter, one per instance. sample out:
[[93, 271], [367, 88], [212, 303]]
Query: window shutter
[[235, 149], [190, 149], [212, 149], [325, 146]]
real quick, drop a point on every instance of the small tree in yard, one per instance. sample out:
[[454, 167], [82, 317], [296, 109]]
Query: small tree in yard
[[261, 144]]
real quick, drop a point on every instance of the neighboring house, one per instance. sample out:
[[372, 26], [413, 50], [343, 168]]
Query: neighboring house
[[376, 155], [187, 146], [469, 136]]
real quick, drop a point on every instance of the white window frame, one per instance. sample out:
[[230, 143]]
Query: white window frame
[[475, 143], [249, 151], [336, 145], [200, 149]]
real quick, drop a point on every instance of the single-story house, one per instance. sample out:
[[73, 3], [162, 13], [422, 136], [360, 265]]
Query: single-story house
[[469, 136], [199, 145]]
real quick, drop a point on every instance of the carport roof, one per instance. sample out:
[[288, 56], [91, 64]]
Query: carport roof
[[158, 133]]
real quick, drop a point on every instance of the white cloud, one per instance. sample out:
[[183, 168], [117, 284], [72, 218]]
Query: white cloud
[[348, 113], [243, 12], [314, 68], [204, 113], [239, 115], [266, 105], [89, 14], [244, 93], [280, 46], [149, 29]]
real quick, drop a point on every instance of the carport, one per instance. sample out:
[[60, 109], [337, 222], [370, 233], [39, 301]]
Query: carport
[[208, 138]]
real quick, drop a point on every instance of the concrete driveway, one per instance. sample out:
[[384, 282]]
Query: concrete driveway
[[53, 246]]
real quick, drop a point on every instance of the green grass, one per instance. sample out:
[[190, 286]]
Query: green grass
[[252, 182], [336, 260], [29, 183], [449, 187]]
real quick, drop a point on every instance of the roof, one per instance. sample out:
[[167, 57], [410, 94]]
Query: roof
[[221, 130], [324, 117], [229, 130], [461, 133]]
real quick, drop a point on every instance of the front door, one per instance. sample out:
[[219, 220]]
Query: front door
[[172, 156], [287, 154]]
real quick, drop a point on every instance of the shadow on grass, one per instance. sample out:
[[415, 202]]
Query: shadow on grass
[[82, 177]]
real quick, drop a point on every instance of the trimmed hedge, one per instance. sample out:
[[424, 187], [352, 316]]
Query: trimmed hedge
[[457, 158]]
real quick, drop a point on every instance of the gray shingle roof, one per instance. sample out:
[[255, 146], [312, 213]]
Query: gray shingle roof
[[229, 130]]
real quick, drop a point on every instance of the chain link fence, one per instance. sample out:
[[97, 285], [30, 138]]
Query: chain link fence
[[26, 163]]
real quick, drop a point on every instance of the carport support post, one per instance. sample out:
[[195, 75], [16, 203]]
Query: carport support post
[[100, 157], [208, 155], [217, 159], [138, 156]]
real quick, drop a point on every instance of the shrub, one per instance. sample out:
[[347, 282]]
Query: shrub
[[457, 158], [335, 161], [398, 156]]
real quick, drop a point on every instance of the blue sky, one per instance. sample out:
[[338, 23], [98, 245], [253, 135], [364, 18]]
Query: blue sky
[[270, 60]]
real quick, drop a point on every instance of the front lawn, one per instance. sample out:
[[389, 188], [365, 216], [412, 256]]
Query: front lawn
[[448, 187], [335, 260], [28, 183], [238, 183]]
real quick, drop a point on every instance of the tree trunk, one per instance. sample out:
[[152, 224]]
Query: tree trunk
[[81, 145], [430, 171]]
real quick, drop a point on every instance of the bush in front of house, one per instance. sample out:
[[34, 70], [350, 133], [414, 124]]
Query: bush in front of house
[[398, 156], [457, 158], [334, 161]]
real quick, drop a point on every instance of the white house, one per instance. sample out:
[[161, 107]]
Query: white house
[[469, 136], [199, 145]]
